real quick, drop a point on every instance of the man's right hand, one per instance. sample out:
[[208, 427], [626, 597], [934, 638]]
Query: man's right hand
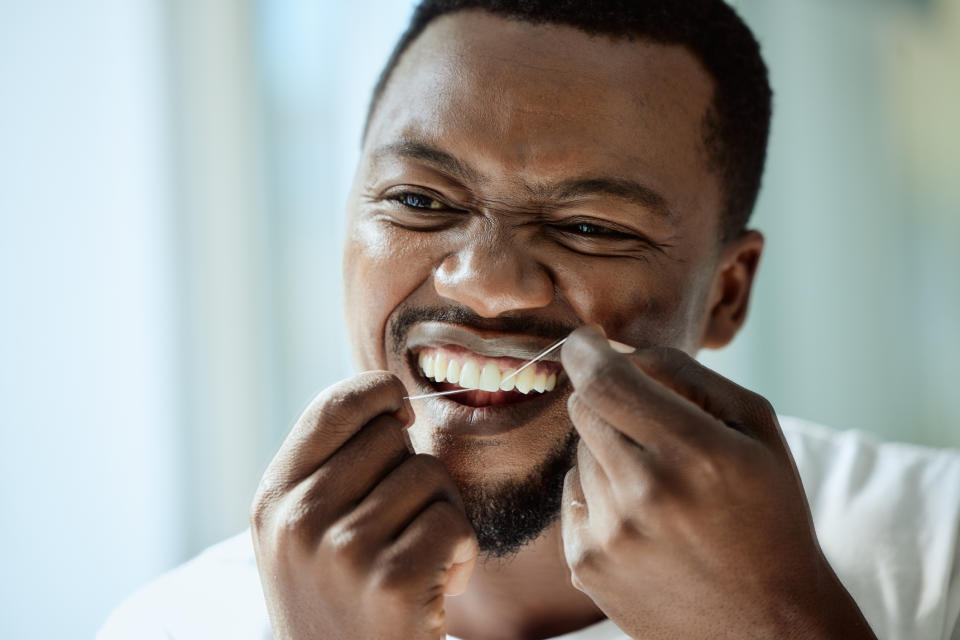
[[355, 535]]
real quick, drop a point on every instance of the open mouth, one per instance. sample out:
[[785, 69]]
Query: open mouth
[[485, 380]]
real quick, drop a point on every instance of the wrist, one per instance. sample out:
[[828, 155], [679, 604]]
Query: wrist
[[832, 614]]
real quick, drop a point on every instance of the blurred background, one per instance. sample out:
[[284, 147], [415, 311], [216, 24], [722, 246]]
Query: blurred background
[[172, 185]]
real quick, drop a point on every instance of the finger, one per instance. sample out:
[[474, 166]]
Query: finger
[[597, 490], [632, 402], [405, 492], [352, 471], [574, 520], [574, 512], [631, 471], [334, 417], [738, 408], [619, 455], [437, 548]]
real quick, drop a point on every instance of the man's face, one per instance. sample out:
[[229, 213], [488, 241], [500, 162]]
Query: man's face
[[516, 182]]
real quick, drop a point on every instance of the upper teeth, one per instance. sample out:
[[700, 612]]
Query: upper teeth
[[471, 373]]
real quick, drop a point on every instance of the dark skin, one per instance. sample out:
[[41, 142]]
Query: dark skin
[[527, 171]]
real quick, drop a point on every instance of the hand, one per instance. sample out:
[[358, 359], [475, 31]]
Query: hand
[[684, 516], [355, 536]]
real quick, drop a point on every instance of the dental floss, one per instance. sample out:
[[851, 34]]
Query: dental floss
[[552, 347]]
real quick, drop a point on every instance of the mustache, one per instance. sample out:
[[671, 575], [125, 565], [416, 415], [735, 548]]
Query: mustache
[[516, 323]]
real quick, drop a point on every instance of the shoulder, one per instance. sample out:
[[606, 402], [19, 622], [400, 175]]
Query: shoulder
[[215, 595], [854, 473], [887, 516]]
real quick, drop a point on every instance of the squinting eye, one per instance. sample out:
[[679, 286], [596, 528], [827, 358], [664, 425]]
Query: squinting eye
[[419, 201], [587, 229]]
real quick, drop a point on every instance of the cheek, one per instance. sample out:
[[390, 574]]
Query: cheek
[[381, 267], [638, 303]]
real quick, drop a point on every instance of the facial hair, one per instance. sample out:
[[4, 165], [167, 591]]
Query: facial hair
[[508, 515]]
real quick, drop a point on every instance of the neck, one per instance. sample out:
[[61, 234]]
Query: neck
[[525, 596]]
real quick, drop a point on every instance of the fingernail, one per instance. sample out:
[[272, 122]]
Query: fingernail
[[619, 347]]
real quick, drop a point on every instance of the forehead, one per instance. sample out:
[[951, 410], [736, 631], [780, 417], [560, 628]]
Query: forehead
[[536, 102]]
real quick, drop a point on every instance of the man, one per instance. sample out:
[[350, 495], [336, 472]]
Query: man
[[534, 171]]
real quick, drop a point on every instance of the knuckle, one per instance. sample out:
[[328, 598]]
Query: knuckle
[[263, 504], [259, 514], [358, 389], [339, 403], [708, 465], [345, 542], [762, 407], [647, 490], [756, 416], [300, 515], [293, 521]]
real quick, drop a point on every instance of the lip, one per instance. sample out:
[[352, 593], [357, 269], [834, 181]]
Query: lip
[[438, 334], [452, 417]]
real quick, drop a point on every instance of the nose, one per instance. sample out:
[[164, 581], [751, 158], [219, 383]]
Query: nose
[[492, 277]]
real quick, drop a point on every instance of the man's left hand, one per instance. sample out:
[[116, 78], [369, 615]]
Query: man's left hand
[[685, 516]]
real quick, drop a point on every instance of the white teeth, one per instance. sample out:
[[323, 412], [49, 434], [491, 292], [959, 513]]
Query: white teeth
[[426, 363], [440, 368], [470, 375], [453, 371], [540, 382], [525, 380], [490, 377], [551, 382]]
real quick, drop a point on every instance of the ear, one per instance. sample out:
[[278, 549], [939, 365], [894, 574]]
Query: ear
[[730, 291]]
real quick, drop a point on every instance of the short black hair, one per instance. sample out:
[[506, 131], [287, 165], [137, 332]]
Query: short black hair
[[737, 125]]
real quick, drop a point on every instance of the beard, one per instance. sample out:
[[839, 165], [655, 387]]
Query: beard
[[508, 515]]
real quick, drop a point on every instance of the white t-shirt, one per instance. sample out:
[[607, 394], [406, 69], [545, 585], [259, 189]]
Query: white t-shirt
[[887, 516]]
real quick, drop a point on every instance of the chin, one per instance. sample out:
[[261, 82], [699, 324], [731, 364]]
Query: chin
[[509, 496]]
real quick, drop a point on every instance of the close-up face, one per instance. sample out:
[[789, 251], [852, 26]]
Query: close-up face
[[516, 182]]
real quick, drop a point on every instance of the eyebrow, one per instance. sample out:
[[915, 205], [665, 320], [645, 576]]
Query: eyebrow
[[431, 155], [623, 189], [628, 190]]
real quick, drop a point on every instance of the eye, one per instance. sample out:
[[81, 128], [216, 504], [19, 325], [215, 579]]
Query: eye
[[419, 201], [589, 229], [600, 238]]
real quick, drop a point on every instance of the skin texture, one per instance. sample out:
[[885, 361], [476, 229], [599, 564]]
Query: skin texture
[[684, 516]]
